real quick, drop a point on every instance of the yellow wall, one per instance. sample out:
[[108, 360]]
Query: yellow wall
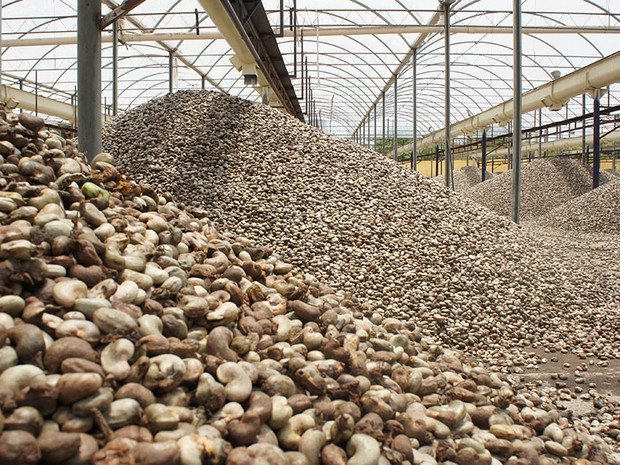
[[427, 167]]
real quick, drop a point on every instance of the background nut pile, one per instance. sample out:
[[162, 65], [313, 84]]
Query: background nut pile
[[363, 224]]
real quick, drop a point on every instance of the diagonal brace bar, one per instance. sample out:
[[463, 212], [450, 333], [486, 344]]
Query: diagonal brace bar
[[118, 12]]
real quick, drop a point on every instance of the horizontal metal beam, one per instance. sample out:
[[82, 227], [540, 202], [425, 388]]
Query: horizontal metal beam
[[554, 95], [214, 34], [16, 98], [181, 58], [567, 143]]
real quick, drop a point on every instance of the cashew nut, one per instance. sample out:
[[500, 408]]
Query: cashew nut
[[210, 393], [238, 383], [281, 413], [363, 450], [115, 358], [165, 372], [310, 444], [290, 435]]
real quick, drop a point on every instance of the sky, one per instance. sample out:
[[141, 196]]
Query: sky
[[348, 72]]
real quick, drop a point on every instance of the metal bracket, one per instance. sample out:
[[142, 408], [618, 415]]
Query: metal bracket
[[118, 12], [250, 13]]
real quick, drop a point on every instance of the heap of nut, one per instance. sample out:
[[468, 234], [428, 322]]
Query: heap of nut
[[131, 332]]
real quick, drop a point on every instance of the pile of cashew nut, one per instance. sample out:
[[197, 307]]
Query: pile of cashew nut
[[131, 332]]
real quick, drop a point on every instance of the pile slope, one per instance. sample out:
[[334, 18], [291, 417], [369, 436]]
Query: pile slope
[[598, 211], [465, 178], [545, 184], [133, 333], [363, 224]]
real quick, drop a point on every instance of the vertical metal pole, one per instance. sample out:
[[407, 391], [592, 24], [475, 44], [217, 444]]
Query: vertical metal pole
[[596, 140], [1, 88], [383, 126], [363, 131], [516, 127], [294, 28], [115, 68], [540, 136], [89, 77], [448, 156], [510, 147], [306, 86], [583, 127], [395, 143], [369, 131], [36, 92], [437, 160], [203, 82], [414, 151], [74, 104], [375, 142], [484, 155], [331, 113], [170, 71]]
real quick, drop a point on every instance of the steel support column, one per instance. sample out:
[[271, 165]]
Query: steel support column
[[383, 127], [448, 156], [437, 160], [395, 143], [516, 126], [540, 135], [369, 131], [583, 127], [1, 96], [596, 140], [115, 68], [375, 120], [89, 77], [484, 155], [363, 141], [414, 151], [170, 72]]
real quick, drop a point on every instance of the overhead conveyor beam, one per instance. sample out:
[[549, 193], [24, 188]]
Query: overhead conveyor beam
[[559, 144], [554, 95], [17, 98], [257, 55], [327, 31]]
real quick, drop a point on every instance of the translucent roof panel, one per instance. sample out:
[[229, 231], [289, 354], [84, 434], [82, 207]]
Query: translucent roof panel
[[352, 49]]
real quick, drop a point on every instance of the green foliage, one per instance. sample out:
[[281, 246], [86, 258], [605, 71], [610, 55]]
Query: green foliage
[[389, 144]]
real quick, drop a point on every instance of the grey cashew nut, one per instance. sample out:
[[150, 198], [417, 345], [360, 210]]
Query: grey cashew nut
[[237, 381], [310, 444], [115, 358], [363, 450], [268, 453], [218, 343], [281, 412], [290, 435], [210, 393], [196, 450], [18, 377], [165, 373]]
